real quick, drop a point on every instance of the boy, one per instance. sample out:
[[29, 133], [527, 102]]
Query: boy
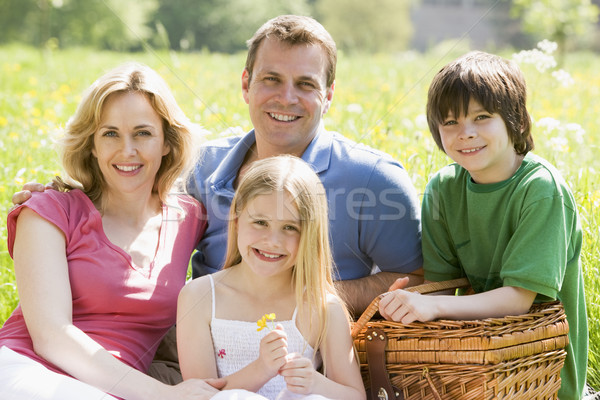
[[503, 218]]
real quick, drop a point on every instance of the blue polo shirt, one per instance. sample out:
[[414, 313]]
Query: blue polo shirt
[[373, 206]]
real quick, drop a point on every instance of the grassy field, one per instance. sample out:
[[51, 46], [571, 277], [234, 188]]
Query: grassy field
[[379, 101]]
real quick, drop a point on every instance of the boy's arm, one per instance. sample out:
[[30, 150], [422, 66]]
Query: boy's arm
[[407, 307]]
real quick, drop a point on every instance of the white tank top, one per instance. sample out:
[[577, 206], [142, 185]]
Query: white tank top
[[237, 344]]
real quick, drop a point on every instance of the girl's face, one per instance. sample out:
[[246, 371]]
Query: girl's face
[[269, 234], [129, 143]]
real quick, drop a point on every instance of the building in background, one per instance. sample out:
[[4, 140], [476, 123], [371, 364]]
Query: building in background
[[483, 24]]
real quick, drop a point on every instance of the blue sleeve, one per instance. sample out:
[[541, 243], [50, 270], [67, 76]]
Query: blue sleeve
[[390, 219]]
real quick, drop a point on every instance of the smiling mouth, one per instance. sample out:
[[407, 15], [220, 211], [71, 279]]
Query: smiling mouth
[[467, 151], [270, 256], [127, 168], [284, 117]]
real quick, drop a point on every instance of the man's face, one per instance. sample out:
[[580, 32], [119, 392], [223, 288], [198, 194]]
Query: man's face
[[287, 96]]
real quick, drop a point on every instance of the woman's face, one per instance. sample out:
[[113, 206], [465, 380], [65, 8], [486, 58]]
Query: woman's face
[[129, 143]]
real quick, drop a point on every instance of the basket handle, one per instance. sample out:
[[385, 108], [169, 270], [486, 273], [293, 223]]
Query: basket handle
[[431, 287]]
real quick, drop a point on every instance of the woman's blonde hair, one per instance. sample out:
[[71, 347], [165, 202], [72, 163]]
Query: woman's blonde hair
[[312, 274], [82, 167]]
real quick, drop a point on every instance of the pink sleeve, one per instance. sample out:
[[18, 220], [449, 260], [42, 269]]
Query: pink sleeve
[[50, 205]]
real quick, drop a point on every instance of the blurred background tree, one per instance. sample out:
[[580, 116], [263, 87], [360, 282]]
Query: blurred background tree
[[566, 22], [220, 25], [375, 26], [356, 25]]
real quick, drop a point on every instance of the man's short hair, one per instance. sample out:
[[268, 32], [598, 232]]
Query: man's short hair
[[294, 30]]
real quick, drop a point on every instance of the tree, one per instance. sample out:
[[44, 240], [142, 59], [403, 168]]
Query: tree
[[220, 25], [558, 20], [374, 26]]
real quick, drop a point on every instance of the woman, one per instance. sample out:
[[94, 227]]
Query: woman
[[99, 264]]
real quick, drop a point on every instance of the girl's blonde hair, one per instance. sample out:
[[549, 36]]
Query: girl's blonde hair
[[82, 167], [312, 274]]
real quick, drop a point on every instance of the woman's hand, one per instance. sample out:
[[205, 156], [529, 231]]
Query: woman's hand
[[273, 349]]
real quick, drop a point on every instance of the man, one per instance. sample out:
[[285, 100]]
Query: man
[[288, 84]]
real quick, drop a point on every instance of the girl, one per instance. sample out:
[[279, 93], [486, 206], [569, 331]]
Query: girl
[[278, 261], [99, 264]]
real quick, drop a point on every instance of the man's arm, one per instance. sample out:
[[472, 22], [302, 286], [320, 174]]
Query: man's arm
[[358, 293]]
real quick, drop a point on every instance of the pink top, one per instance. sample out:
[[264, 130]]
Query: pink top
[[125, 308]]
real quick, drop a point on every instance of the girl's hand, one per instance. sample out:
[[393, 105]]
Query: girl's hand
[[273, 349], [299, 374], [406, 307]]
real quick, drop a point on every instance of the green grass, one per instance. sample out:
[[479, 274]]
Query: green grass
[[379, 100]]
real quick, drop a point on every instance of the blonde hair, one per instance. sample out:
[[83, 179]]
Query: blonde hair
[[82, 167], [312, 274]]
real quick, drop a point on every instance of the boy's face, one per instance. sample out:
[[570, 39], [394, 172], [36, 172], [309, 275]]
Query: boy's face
[[479, 143]]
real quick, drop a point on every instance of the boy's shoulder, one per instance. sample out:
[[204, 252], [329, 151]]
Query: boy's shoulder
[[449, 176]]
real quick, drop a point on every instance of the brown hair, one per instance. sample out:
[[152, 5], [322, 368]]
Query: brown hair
[[294, 30], [494, 82]]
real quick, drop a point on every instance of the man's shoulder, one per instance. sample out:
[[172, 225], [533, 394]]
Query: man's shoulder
[[225, 143], [360, 149]]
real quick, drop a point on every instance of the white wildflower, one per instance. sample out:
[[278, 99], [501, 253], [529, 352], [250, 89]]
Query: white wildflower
[[421, 122], [574, 131], [559, 144], [548, 124], [547, 46], [542, 61], [354, 108], [563, 77]]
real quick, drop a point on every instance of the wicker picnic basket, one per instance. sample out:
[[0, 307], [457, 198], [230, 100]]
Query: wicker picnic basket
[[516, 357]]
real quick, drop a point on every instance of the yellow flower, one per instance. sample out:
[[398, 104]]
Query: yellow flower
[[262, 323]]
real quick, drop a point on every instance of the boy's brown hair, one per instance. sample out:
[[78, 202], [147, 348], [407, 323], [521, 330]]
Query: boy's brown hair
[[494, 82]]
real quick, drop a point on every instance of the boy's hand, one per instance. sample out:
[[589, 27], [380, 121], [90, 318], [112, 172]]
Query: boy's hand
[[406, 307], [399, 283], [299, 374], [273, 349]]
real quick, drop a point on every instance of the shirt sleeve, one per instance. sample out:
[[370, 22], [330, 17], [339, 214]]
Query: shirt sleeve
[[49, 205], [537, 254], [390, 219]]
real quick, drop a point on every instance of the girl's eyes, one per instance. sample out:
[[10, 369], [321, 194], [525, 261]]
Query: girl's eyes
[[260, 222], [291, 228]]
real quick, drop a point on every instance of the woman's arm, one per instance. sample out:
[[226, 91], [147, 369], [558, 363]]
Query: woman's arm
[[407, 307], [343, 379], [42, 277]]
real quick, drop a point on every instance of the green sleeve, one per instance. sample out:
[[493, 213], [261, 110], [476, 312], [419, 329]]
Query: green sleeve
[[537, 254]]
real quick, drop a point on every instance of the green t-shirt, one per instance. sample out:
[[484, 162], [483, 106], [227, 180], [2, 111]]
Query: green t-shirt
[[522, 232]]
